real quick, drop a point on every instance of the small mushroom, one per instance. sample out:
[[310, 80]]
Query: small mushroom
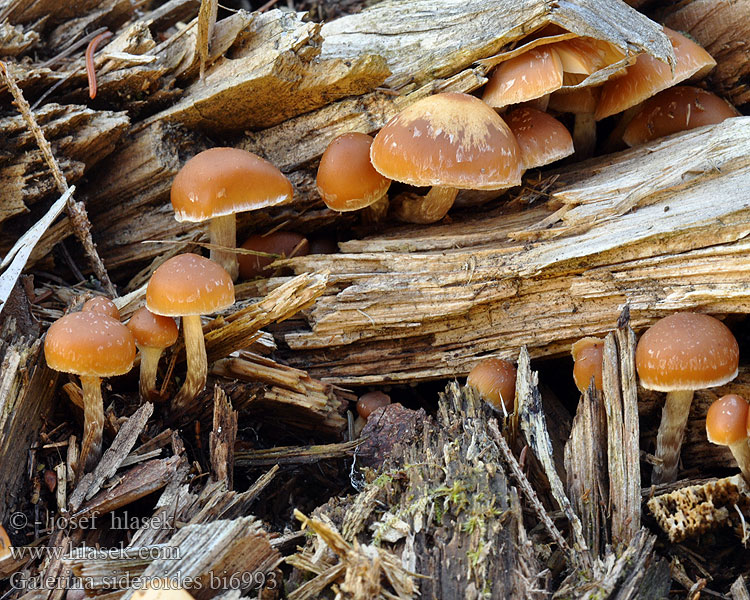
[[581, 103], [102, 305], [532, 74], [676, 109], [281, 243], [679, 354], [217, 183], [366, 405], [495, 380], [188, 286], [449, 141], [5, 545], [726, 425], [587, 362], [93, 346], [586, 55], [153, 334], [346, 179], [541, 138]]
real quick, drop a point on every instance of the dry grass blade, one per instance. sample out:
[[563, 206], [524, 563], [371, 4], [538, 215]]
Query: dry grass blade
[[295, 455]]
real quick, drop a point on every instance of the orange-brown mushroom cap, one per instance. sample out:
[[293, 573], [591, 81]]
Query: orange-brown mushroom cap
[[152, 331], [587, 362], [188, 284], [541, 138], [676, 109], [450, 139], [726, 420], [278, 242], [102, 305], [223, 181], [649, 75], [91, 344], [686, 351], [495, 380], [524, 77], [346, 178], [371, 401], [586, 55]]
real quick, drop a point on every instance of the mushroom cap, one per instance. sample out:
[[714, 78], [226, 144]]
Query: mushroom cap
[[89, 343], [686, 351], [649, 75], [495, 380], [448, 139], [278, 242], [5, 544], [152, 331], [586, 55], [676, 109], [587, 362], [541, 137], [102, 305], [188, 284], [726, 420], [579, 101], [224, 181], [371, 401], [346, 178], [530, 75]]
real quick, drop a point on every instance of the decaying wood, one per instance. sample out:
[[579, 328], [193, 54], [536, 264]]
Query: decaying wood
[[222, 438], [291, 455]]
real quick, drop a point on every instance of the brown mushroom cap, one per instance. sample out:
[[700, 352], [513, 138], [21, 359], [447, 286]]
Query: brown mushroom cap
[[5, 545], [541, 137], [676, 109], [152, 331], [495, 380], [686, 351], [449, 139], [89, 343], [223, 181], [371, 401], [101, 305], [346, 178], [649, 75], [278, 242], [726, 420], [527, 76], [579, 101], [188, 284], [586, 55], [587, 356]]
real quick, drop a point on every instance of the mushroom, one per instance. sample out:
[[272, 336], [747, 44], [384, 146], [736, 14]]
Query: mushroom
[[188, 286], [495, 380], [648, 75], [5, 544], [541, 138], [93, 346], [153, 334], [679, 354], [533, 74], [366, 405], [586, 55], [220, 182], [102, 305], [346, 178], [587, 362], [281, 243], [581, 103], [449, 141], [676, 109], [726, 425]]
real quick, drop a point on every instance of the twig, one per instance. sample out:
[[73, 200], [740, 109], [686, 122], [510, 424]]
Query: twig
[[76, 210], [90, 68]]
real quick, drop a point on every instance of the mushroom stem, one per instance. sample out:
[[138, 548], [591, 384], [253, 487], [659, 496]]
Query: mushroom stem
[[674, 417], [197, 367], [425, 209], [741, 452], [377, 211], [149, 364], [223, 232], [584, 135], [93, 421]]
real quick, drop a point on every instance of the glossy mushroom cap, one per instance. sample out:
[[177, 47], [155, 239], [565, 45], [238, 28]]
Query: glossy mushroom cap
[[649, 75], [5, 544], [495, 380], [223, 181], [371, 401], [579, 101], [686, 351], [346, 178], [541, 137], [450, 139], [587, 356], [676, 109], [530, 75], [103, 306], [585, 55], [152, 331], [282, 243], [188, 284], [726, 420], [91, 344]]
